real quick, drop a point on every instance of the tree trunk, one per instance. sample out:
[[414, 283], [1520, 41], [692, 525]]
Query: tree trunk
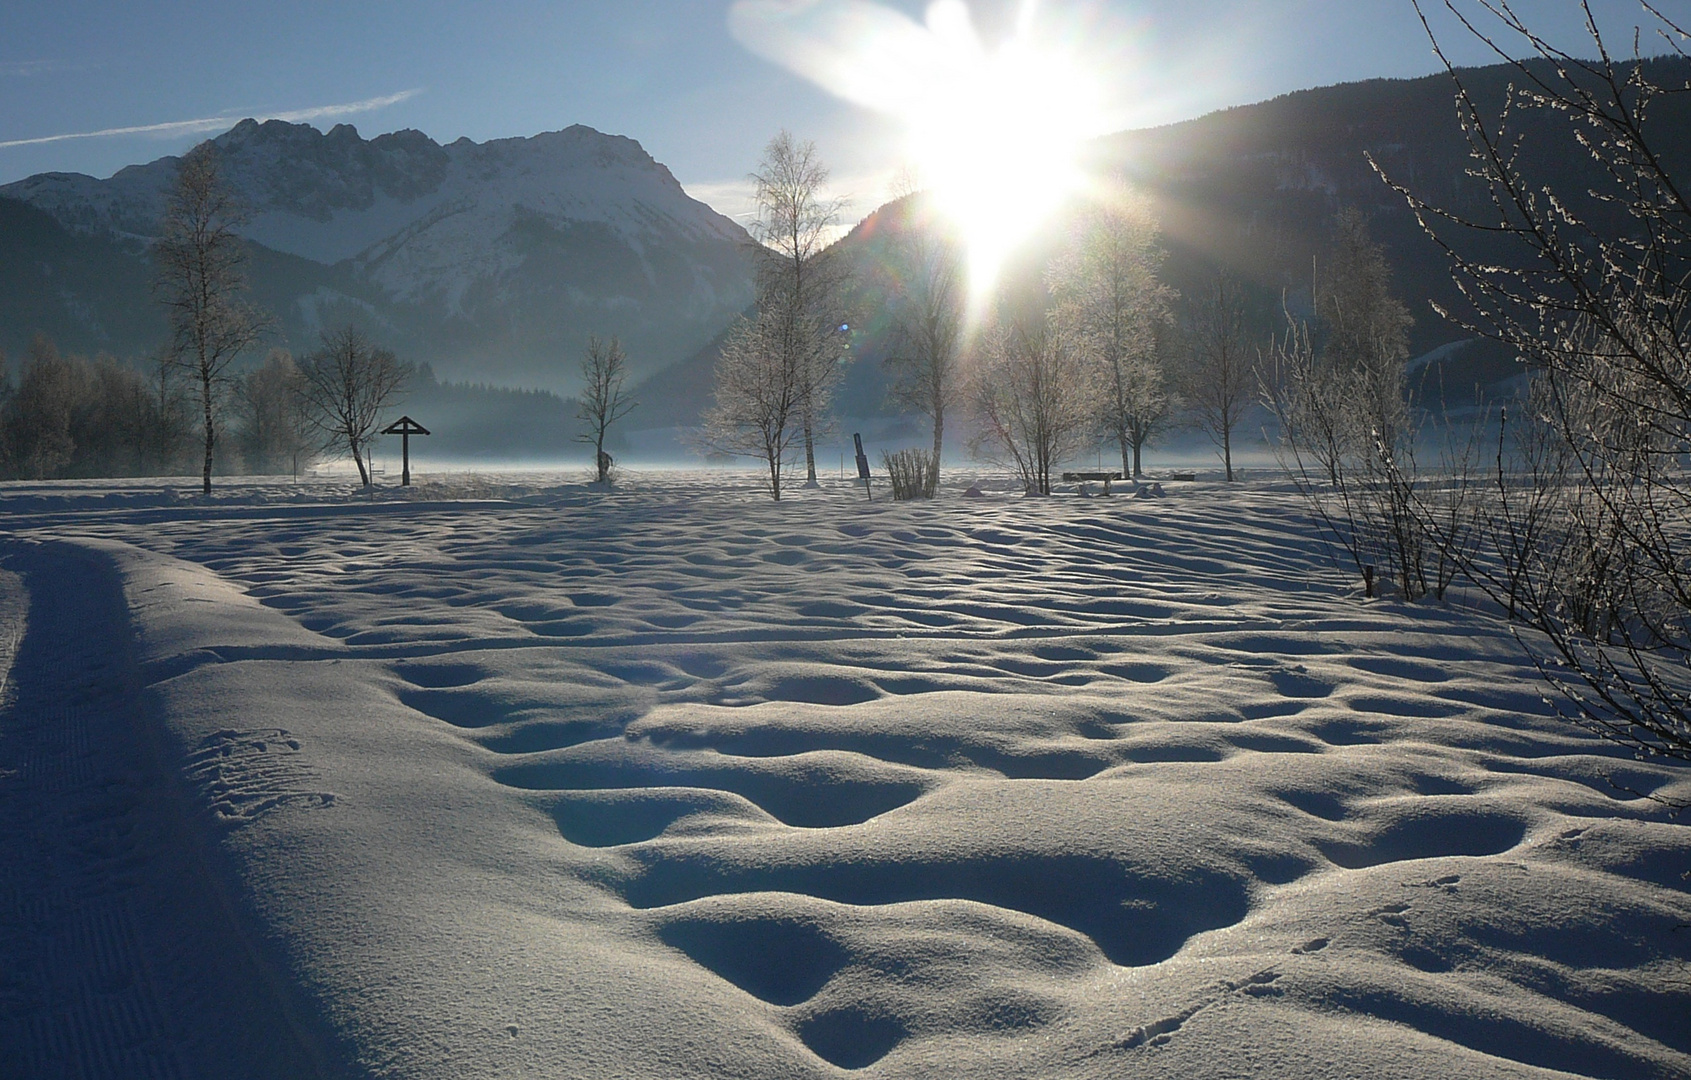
[[1124, 452], [1227, 450], [1137, 472], [809, 454], [211, 432], [358, 456], [933, 466]]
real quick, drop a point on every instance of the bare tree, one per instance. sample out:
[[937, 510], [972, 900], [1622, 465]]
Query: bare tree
[[603, 370], [200, 264], [1367, 328], [1345, 431], [1220, 379], [345, 386], [1108, 295], [800, 289], [758, 398], [1596, 301], [928, 328], [1030, 399], [272, 431]]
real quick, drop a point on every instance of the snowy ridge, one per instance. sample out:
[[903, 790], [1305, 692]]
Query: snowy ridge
[[679, 782], [329, 197], [488, 259]]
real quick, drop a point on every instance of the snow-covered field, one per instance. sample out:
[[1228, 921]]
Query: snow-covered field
[[509, 779]]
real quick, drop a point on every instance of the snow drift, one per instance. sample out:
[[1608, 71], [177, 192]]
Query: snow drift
[[677, 782]]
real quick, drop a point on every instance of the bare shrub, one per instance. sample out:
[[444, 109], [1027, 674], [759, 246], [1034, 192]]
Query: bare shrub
[[912, 473], [1346, 432]]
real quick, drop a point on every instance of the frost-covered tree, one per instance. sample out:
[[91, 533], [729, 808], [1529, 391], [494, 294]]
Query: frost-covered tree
[[40, 412], [1219, 381], [1030, 399], [345, 386], [801, 290], [72, 416], [758, 399], [1108, 296], [603, 371], [929, 304], [200, 265], [272, 431]]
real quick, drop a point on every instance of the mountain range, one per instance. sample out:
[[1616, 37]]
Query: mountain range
[[491, 261]]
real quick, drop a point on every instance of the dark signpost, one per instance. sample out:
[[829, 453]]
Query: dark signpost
[[862, 466], [405, 427]]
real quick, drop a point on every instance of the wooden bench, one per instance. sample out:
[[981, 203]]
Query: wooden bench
[[1081, 477]]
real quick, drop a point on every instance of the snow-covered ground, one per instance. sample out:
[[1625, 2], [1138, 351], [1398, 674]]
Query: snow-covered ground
[[510, 778]]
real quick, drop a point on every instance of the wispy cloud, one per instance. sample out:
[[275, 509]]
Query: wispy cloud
[[23, 69], [218, 123]]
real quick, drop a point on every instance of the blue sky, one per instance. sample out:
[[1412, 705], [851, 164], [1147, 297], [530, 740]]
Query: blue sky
[[671, 74]]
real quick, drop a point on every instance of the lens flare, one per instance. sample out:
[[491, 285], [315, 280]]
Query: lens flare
[[994, 131]]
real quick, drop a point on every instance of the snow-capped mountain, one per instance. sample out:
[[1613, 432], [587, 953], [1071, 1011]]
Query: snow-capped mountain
[[492, 260]]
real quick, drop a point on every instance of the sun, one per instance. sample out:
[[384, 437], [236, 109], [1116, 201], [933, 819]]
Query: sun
[[996, 136], [994, 130]]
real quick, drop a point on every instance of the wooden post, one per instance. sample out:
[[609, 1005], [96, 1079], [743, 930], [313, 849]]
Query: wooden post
[[862, 466], [405, 427]]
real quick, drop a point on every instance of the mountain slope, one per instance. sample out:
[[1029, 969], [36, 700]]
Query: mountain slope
[[1257, 188]]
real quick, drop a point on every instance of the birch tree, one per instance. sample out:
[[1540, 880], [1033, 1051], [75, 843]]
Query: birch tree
[[200, 266], [1367, 329], [800, 289]]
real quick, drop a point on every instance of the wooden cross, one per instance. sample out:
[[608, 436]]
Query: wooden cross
[[405, 427]]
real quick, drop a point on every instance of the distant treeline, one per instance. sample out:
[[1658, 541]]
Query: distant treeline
[[72, 416], [475, 420], [67, 416]]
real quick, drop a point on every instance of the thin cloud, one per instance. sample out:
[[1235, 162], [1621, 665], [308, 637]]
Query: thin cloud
[[23, 69], [216, 123]]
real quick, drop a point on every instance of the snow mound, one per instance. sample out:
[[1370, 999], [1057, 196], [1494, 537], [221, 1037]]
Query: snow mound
[[678, 782]]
